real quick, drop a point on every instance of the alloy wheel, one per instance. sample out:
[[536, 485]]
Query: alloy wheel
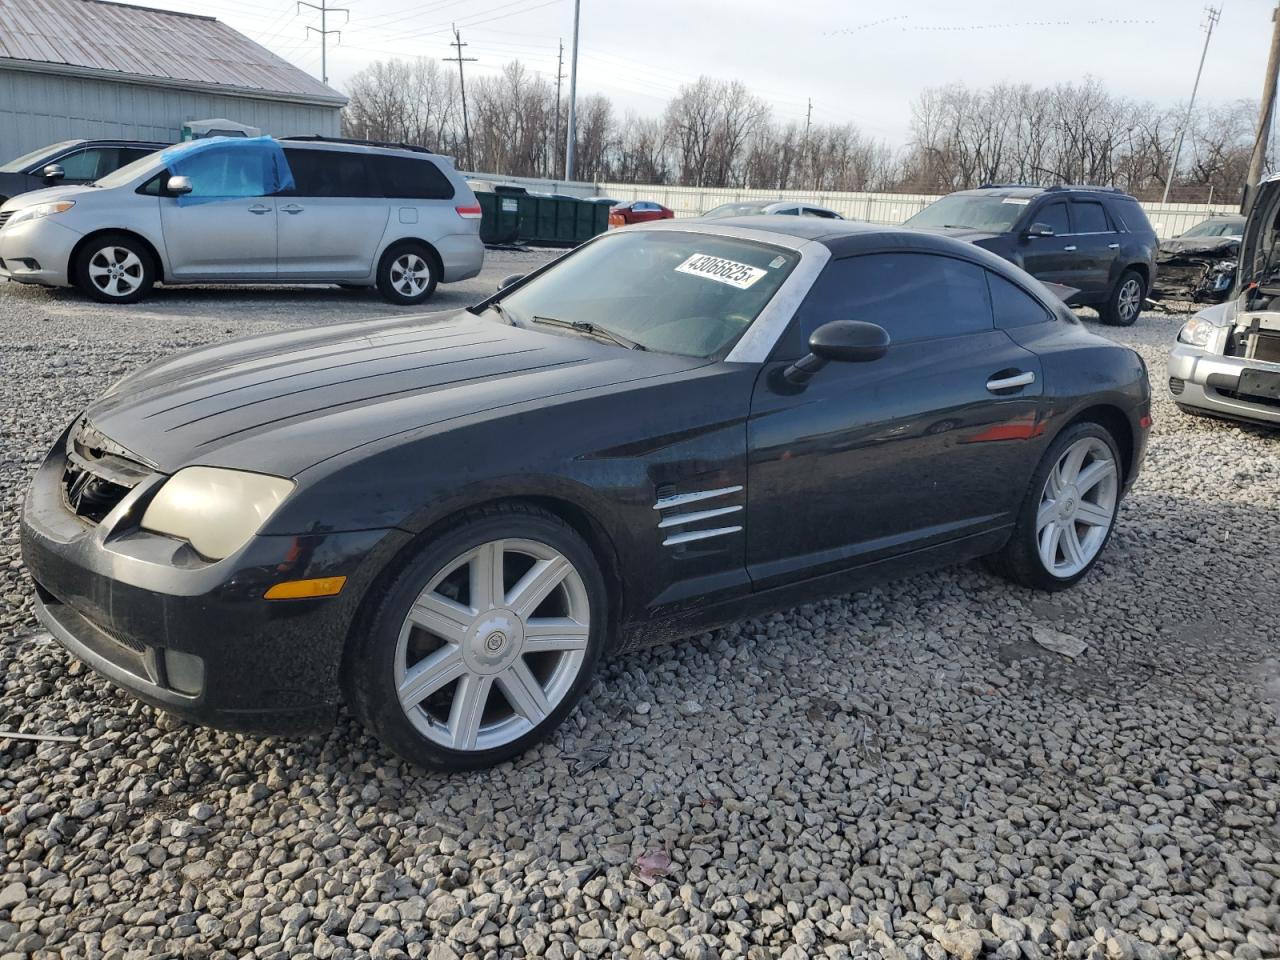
[[116, 271], [492, 645], [410, 275], [1077, 506], [1130, 299]]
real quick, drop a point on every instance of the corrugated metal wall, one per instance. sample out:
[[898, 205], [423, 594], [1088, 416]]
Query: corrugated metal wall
[[42, 108]]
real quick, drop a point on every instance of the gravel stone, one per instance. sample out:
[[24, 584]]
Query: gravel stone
[[901, 772]]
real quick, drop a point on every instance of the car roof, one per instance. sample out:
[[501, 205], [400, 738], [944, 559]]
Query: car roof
[[291, 143], [1027, 191]]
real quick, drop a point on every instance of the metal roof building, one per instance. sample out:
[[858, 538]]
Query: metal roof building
[[94, 69]]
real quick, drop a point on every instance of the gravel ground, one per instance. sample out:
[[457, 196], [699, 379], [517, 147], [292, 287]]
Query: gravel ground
[[904, 772]]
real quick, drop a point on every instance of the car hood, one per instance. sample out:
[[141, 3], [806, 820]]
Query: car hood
[[967, 234], [283, 403], [1207, 246], [46, 195]]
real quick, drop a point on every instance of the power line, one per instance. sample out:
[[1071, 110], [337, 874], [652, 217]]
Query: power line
[[462, 86], [324, 31]]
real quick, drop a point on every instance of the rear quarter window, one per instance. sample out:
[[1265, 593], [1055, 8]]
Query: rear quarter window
[[407, 178], [1131, 215]]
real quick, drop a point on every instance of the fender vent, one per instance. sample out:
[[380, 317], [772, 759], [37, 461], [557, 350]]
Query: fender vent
[[679, 512]]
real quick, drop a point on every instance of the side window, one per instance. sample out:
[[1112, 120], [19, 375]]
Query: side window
[[90, 164], [330, 173], [130, 154], [405, 178], [1013, 306], [788, 212], [914, 296], [1055, 216], [814, 212], [1089, 217], [226, 173]]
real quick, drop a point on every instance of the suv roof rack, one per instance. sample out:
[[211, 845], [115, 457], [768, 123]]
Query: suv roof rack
[[318, 138], [1083, 186]]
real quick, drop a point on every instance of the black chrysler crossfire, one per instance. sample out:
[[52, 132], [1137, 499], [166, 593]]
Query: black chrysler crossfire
[[448, 521]]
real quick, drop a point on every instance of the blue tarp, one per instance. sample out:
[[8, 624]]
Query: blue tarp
[[228, 168]]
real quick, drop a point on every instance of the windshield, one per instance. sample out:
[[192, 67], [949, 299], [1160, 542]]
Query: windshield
[[971, 212], [128, 172], [735, 210], [18, 164], [677, 292], [1216, 228]]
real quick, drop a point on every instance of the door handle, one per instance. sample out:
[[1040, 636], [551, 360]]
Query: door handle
[[1008, 383], [1070, 249], [259, 209], [293, 208], [1113, 246]]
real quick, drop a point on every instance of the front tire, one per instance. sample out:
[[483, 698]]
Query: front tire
[[1069, 511], [483, 643], [407, 274], [1124, 305], [115, 268]]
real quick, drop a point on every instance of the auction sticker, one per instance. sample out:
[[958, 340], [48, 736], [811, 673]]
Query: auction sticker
[[740, 275], [1016, 201]]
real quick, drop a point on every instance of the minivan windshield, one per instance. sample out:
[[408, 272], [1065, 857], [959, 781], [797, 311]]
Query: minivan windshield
[[18, 164], [691, 294], [129, 171], [971, 212]]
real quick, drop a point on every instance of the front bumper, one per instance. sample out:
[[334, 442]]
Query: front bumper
[[38, 251], [197, 639], [1208, 381]]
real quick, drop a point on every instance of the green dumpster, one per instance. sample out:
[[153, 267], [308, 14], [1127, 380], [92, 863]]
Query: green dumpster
[[512, 215], [499, 218]]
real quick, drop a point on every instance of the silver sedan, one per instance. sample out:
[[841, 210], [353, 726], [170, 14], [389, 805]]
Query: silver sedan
[[1226, 363]]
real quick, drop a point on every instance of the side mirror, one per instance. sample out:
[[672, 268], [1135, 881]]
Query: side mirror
[[53, 173], [509, 280], [844, 341], [1038, 230], [178, 186]]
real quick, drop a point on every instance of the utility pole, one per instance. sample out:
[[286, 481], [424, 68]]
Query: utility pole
[[808, 153], [462, 87], [1213, 15], [324, 31], [559, 77], [573, 96], [1268, 104]]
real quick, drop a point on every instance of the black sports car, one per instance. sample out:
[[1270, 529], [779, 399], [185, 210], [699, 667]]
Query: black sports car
[[448, 521]]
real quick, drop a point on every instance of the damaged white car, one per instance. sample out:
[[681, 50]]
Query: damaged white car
[[1226, 362]]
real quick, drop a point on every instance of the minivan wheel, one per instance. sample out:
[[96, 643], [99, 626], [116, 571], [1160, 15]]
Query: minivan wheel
[[1125, 303], [483, 643], [407, 274], [115, 268], [1069, 511]]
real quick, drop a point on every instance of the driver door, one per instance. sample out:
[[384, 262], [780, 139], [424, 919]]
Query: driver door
[[874, 460], [225, 229]]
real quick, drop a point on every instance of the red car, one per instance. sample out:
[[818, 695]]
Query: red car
[[638, 211]]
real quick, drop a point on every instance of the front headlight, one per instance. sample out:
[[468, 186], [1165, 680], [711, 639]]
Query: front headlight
[[41, 210], [213, 509], [1197, 331]]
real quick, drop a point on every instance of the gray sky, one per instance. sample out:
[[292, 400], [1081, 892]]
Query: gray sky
[[860, 62]]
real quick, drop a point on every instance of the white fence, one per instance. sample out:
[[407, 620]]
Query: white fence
[[1169, 219]]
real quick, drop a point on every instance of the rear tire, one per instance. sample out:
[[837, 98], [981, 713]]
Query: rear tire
[[407, 274], [1124, 305], [114, 268], [1069, 511], [469, 657]]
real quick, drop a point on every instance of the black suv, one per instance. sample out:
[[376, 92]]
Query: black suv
[[72, 161], [1095, 240]]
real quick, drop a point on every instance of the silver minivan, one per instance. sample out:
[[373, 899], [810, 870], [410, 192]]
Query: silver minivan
[[396, 218]]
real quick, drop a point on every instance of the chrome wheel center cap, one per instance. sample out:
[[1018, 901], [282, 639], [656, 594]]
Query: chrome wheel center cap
[[494, 641], [1068, 503]]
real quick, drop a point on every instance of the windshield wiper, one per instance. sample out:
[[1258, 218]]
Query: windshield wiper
[[591, 330]]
